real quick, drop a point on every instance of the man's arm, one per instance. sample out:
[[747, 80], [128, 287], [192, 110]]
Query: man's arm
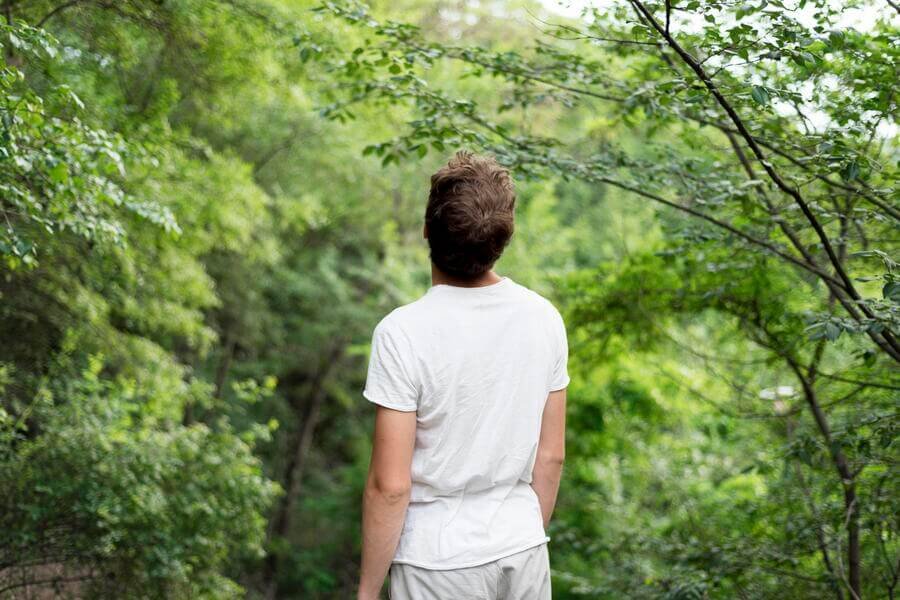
[[386, 496], [551, 453]]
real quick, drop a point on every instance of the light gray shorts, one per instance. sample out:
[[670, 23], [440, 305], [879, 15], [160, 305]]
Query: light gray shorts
[[521, 576]]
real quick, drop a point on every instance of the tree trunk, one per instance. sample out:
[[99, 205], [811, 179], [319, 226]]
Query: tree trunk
[[224, 363], [298, 450], [842, 466], [9, 54], [851, 502]]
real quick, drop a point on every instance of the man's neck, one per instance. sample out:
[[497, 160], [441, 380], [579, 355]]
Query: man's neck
[[487, 278]]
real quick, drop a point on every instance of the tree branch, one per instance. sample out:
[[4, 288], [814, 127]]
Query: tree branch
[[834, 287], [58, 9], [456, 54], [769, 168], [812, 268]]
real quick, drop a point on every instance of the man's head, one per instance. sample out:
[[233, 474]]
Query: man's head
[[469, 218]]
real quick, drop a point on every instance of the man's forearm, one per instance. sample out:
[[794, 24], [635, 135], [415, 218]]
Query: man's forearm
[[382, 523], [545, 481]]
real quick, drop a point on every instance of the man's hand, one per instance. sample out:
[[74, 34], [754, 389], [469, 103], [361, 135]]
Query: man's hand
[[386, 496]]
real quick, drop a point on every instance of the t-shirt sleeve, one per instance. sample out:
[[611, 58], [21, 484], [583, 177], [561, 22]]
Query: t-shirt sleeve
[[559, 378], [390, 379]]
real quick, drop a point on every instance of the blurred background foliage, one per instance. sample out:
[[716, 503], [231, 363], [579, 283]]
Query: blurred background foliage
[[208, 204]]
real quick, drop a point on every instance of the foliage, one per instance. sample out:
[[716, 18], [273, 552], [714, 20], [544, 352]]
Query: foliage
[[772, 217], [58, 173], [208, 204], [150, 510]]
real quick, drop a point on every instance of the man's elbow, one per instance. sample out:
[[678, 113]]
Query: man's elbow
[[554, 458], [390, 490]]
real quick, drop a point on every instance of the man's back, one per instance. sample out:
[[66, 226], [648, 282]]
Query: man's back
[[476, 364], [469, 441]]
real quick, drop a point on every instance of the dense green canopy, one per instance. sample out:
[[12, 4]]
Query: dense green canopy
[[207, 205]]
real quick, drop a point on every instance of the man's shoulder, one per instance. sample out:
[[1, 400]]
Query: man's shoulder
[[402, 316], [541, 302]]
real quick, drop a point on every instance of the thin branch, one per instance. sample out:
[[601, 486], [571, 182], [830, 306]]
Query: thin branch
[[581, 35], [820, 533], [57, 10], [884, 386], [686, 209], [770, 170], [836, 289], [456, 54], [893, 212]]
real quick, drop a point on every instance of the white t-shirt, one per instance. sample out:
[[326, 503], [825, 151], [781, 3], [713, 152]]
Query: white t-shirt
[[476, 364]]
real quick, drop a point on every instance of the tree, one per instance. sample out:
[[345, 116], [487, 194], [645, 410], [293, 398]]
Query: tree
[[754, 138]]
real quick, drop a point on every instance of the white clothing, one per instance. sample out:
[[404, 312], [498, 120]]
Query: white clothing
[[524, 575], [476, 364]]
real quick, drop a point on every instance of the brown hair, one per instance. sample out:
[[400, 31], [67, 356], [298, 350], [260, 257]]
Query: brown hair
[[469, 215]]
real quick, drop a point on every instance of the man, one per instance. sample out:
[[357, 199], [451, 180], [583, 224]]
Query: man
[[469, 382]]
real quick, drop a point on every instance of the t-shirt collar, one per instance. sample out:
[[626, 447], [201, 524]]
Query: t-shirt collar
[[459, 290]]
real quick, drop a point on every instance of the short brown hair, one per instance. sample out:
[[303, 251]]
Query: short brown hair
[[469, 214]]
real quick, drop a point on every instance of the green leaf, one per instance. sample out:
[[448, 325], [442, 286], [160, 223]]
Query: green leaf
[[760, 95], [850, 171], [59, 173], [836, 38], [891, 291]]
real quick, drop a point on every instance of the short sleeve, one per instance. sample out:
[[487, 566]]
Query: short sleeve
[[559, 377], [390, 381]]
